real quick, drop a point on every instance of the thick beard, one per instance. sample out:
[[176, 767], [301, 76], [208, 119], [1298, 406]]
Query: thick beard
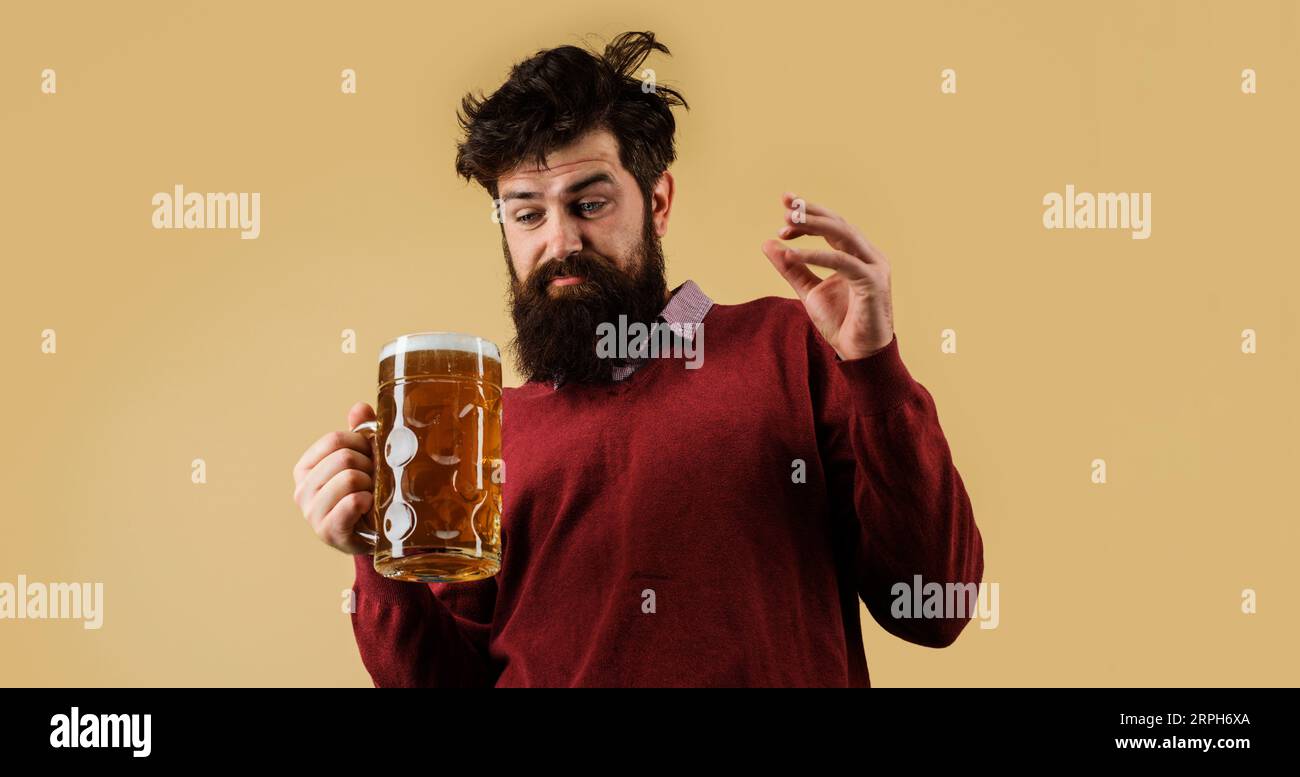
[[555, 337]]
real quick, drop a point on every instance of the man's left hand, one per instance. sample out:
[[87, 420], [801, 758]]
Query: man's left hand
[[852, 308]]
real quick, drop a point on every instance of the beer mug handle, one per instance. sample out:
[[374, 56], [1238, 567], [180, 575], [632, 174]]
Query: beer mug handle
[[369, 518]]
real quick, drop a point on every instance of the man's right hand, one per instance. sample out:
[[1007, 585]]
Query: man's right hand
[[334, 483]]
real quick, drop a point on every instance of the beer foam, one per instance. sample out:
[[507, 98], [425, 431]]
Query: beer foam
[[441, 341]]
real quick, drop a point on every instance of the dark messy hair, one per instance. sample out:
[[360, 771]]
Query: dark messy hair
[[558, 95]]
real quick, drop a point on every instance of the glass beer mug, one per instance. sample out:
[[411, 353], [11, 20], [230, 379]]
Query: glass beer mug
[[437, 452]]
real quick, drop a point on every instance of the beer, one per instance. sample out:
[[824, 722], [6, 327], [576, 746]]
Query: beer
[[437, 514]]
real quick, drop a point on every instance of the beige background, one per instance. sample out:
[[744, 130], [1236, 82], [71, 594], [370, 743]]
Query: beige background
[[1073, 345]]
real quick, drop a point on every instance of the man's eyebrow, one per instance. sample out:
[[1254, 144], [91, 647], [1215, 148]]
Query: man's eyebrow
[[594, 178]]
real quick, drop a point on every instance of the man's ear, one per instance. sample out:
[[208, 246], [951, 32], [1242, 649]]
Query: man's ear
[[661, 202]]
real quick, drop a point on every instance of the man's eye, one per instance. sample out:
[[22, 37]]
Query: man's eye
[[585, 208]]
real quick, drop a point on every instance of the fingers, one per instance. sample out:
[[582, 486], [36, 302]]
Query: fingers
[[331, 465], [360, 412], [337, 525], [825, 223], [343, 484], [822, 226], [334, 482], [800, 278], [847, 265], [327, 445], [789, 199]]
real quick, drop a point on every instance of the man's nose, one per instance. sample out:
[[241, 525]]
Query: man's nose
[[564, 238]]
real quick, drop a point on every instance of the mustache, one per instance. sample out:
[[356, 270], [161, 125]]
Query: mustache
[[589, 266]]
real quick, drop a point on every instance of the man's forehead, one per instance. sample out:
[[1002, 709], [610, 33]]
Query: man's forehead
[[594, 151]]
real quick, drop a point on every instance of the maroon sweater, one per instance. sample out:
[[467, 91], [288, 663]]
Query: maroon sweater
[[655, 533]]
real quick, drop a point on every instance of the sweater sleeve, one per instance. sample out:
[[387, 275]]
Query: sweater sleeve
[[423, 635], [890, 471]]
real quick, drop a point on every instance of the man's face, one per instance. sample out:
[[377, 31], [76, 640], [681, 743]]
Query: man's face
[[583, 249], [585, 202]]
